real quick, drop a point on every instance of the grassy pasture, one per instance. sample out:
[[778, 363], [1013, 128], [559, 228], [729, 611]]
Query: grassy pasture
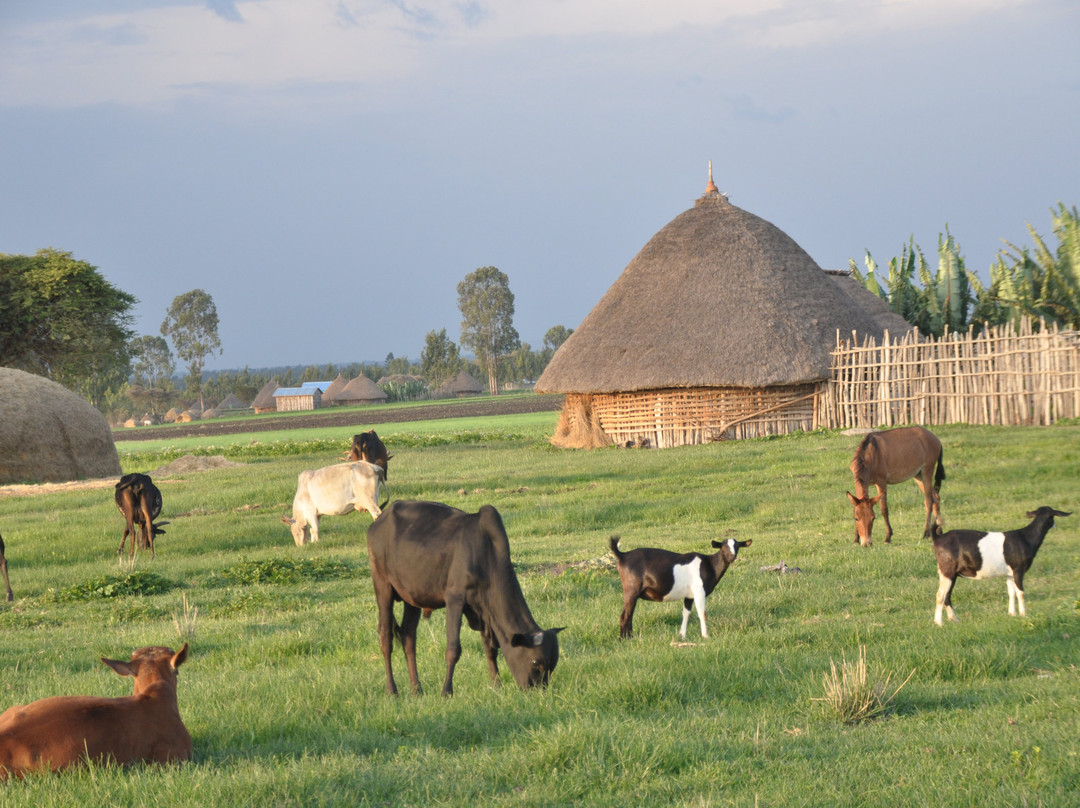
[[284, 690]]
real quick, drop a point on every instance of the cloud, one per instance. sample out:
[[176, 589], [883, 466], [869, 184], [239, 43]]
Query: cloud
[[226, 9], [159, 53]]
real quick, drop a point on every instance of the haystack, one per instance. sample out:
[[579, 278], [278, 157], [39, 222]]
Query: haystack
[[49, 434], [721, 327]]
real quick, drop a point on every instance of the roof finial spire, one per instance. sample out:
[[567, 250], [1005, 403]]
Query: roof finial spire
[[711, 187]]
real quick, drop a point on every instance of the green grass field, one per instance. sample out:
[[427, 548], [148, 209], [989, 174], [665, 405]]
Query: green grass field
[[284, 689]]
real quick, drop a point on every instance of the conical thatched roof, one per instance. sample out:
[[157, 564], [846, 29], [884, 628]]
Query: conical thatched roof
[[231, 402], [718, 297], [265, 398], [360, 389], [336, 386], [864, 298], [49, 434], [461, 385]]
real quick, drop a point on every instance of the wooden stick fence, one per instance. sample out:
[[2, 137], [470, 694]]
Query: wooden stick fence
[[1004, 376]]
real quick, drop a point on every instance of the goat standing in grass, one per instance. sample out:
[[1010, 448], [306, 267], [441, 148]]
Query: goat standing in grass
[[662, 575], [978, 554]]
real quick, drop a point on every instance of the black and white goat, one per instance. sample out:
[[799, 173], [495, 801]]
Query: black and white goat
[[977, 554], [662, 575]]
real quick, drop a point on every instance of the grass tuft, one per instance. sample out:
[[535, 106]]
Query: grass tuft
[[852, 697]]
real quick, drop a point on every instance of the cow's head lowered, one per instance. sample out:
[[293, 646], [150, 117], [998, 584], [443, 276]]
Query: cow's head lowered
[[532, 657]]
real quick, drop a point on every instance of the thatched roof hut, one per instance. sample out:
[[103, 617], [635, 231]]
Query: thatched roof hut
[[360, 390], [330, 394], [50, 434], [264, 400], [460, 386], [231, 402], [721, 327]]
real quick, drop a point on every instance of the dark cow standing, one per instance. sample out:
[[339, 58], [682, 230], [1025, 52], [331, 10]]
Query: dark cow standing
[[139, 500], [431, 556], [3, 569], [367, 446]]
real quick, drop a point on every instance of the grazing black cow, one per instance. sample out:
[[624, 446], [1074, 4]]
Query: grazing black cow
[[367, 446], [3, 569], [431, 556], [139, 500]]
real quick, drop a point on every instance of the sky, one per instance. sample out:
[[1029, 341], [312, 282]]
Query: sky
[[330, 170]]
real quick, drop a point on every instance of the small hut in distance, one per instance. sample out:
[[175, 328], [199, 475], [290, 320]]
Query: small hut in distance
[[360, 390], [460, 386], [264, 399], [737, 342]]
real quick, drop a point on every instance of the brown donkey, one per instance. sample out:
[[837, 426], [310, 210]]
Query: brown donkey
[[890, 457]]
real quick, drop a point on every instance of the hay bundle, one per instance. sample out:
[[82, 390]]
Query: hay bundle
[[579, 427], [49, 434]]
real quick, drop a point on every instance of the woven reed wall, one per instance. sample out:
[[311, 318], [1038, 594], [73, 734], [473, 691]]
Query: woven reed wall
[[683, 416], [1004, 376]]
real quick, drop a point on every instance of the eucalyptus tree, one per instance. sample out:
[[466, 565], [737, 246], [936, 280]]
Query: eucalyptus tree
[[192, 324], [487, 326]]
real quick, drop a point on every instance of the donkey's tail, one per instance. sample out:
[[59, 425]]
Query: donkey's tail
[[940, 474]]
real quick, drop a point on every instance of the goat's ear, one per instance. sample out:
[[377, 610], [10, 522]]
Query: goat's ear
[[179, 657], [287, 520], [122, 668], [875, 500], [850, 496], [746, 543]]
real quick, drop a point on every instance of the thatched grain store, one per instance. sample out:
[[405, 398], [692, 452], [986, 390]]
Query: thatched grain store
[[721, 327]]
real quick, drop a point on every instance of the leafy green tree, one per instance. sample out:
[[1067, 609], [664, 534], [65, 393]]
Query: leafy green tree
[[556, 336], [440, 359], [487, 326], [61, 319], [192, 324]]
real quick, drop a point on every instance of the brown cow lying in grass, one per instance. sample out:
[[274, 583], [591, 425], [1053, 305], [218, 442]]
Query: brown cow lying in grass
[[63, 731]]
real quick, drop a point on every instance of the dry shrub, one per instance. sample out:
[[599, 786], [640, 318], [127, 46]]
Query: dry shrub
[[852, 697]]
